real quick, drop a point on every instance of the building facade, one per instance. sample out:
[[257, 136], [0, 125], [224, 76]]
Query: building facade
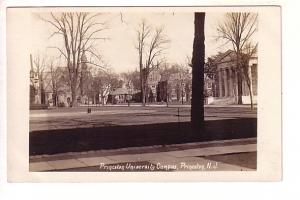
[[226, 79]]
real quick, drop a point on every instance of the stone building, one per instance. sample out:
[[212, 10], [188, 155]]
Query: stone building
[[225, 86], [175, 86], [180, 84]]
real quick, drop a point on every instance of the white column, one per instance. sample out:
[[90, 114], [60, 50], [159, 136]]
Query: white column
[[226, 82], [251, 79], [235, 82], [230, 82], [220, 82]]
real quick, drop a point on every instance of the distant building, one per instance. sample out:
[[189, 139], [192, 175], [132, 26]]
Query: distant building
[[153, 80], [175, 85], [180, 84], [119, 95]]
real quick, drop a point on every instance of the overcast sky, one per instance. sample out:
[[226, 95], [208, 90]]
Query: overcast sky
[[119, 51]]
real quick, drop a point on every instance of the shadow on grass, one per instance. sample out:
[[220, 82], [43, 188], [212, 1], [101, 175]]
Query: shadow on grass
[[85, 139]]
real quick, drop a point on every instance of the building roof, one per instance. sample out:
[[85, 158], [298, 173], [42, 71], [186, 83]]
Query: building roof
[[227, 57]]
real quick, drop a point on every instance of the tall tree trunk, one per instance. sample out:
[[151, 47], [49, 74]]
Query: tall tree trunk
[[144, 91], [81, 83], [240, 87], [39, 89], [197, 110], [142, 78], [249, 84], [103, 100], [251, 96], [239, 77], [73, 95], [54, 98]]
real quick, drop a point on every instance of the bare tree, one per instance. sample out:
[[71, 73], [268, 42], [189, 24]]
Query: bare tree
[[55, 75], [39, 67], [79, 31], [142, 34], [248, 52], [151, 45], [197, 109], [131, 80], [237, 29]]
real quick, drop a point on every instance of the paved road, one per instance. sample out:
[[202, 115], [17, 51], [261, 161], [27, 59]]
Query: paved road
[[64, 118]]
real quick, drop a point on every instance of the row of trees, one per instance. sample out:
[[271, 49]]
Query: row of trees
[[79, 33], [93, 82], [96, 83]]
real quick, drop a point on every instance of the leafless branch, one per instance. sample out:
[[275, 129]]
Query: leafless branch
[[79, 31], [237, 28], [60, 50]]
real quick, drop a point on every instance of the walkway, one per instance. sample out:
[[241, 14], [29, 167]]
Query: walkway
[[223, 155]]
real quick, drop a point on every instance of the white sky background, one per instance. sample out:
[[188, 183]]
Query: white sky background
[[119, 51]]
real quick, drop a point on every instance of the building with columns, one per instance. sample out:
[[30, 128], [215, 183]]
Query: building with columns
[[226, 77]]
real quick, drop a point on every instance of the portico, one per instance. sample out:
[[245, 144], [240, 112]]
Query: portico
[[226, 79]]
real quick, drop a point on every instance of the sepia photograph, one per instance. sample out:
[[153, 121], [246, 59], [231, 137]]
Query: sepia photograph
[[132, 89]]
